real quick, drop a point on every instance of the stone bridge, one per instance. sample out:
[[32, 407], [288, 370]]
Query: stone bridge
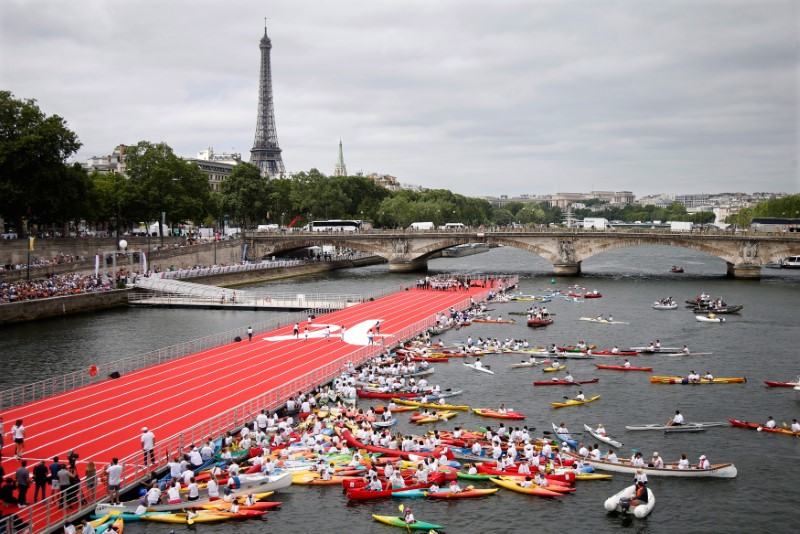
[[565, 248]]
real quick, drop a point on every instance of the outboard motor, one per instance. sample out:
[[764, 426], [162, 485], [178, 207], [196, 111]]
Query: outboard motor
[[624, 504]]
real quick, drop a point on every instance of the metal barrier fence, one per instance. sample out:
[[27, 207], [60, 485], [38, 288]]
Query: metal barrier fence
[[247, 300], [224, 269]]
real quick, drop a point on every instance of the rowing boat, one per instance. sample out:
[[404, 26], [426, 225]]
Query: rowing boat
[[709, 319], [665, 306], [557, 382], [623, 465], [396, 521], [622, 368], [604, 321], [479, 368], [659, 426], [774, 384], [616, 504], [761, 428], [488, 412], [574, 402], [536, 323], [602, 437], [682, 380]]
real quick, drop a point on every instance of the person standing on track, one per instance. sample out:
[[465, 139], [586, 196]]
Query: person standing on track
[[114, 480], [296, 330], [250, 333], [148, 444], [18, 433], [40, 476], [23, 481], [342, 331]]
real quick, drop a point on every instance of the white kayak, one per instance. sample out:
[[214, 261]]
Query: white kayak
[[528, 364], [706, 319], [606, 321], [601, 437], [615, 503], [483, 369], [658, 426]]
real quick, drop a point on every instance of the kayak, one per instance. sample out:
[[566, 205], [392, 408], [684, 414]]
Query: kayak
[[481, 368], [463, 494], [623, 368], [433, 405], [432, 417], [467, 476], [554, 369], [616, 504], [363, 494], [604, 321], [536, 323], [602, 437], [564, 437], [498, 321], [659, 426], [773, 384], [609, 353], [529, 364], [573, 402], [488, 412], [396, 521], [623, 465], [533, 490], [564, 382], [383, 394], [682, 380], [761, 428]]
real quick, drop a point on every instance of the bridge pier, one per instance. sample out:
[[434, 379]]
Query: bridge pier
[[407, 266], [746, 272], [572, 268]]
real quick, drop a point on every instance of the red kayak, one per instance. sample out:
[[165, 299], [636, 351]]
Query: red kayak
[[351, 440], [592, 296], [359, 494], [566, 476], [609, 353], [564, 382], [539, 322], [780, 384], [761, 428], [623, 368]]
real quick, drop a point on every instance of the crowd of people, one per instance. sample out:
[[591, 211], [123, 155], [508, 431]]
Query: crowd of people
[[52, 286], [42, 262]]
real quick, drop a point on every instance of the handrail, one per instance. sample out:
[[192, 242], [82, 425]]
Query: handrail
[[47, 514]]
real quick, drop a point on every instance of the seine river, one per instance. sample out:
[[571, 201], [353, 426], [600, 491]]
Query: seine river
[[759, 343]]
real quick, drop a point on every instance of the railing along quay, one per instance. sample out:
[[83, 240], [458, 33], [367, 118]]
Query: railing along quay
[[51, 513]]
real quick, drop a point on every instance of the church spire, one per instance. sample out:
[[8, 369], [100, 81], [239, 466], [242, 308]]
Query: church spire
[[340, 169]]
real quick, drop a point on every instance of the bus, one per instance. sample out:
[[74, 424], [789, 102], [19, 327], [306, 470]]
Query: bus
[[339, 225]]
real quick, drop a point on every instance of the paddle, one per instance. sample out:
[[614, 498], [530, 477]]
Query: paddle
[[402, 508]]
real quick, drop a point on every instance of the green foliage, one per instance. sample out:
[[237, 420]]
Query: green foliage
[[786, 207], [244, 195], [35, 181]]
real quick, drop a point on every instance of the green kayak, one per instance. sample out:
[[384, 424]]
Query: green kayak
[[479, 476], [396, 521]]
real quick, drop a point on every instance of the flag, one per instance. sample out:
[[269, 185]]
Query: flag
[[30, 243], [244, 253], [96, 265], [144, 264]]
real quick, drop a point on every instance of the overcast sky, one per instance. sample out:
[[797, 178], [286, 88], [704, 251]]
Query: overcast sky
[[482, 98]]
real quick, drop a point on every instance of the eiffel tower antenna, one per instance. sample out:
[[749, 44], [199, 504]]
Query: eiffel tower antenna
[[266, 153]]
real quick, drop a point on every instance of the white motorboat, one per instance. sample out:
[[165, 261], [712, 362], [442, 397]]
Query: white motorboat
[[659, 306], [792, 262], [483, 369], [709, 319], [604, 438], [620, 502]]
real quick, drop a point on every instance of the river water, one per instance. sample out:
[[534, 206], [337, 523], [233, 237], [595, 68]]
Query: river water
[[759, 343]]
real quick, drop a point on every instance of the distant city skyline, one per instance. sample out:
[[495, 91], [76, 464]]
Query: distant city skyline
[[527, 98]]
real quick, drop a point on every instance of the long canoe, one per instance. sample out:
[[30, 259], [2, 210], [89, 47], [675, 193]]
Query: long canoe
[[669, 470], [573, 402], [660, 426], [682, 380], [556, 382], [774, 384], [433, 405], [488, 412]]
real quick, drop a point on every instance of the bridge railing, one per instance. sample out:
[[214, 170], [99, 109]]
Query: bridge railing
[[51, 513], [181, 274]]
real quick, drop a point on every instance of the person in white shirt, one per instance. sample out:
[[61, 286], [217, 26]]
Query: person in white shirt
[[615, 350], [638, 461], [683, 463], [795, 426], [580, 396], [600, 430], [676, 420], [69, 528], [703, 463], [212, 487], [527, 483], [148, 444], [708, 376], [153, 495], [583, 451], [770, 422], [568, 378], [595, 454], [611, 456], [193, 490], [640, 476], [174, 493], [562, 429], [626, 364], [114, 480]]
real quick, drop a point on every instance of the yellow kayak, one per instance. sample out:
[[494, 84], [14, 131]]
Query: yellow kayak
[[682, 380], [203, 516], [431, 405], [438, 416], [554, 369], [592, 476], [573, 402]]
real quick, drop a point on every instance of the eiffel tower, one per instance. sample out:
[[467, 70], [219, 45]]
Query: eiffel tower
[[266, 154]]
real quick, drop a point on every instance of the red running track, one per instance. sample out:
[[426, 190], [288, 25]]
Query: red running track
[[104, 420]]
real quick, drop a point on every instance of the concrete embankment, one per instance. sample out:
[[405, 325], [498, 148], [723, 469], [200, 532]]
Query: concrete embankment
[[16, 312]]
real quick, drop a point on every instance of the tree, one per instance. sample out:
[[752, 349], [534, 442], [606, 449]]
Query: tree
[[244, 195], [161, 182], [33, 171]]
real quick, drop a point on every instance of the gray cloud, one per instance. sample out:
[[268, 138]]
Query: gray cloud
[[513, 97]]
